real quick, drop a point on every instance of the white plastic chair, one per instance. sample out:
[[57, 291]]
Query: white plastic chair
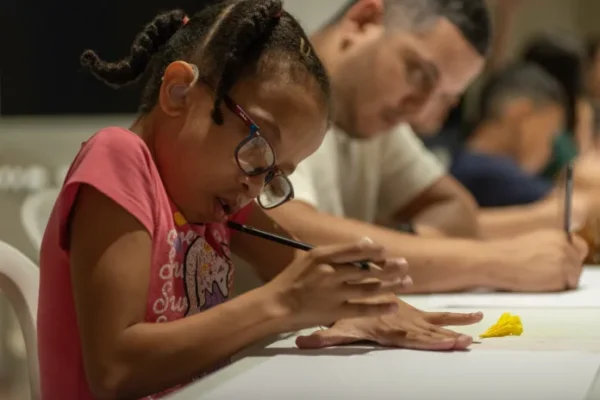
[[35, 213], [19, 282]]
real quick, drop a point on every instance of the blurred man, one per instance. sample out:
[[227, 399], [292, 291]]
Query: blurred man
[[592, 67], [522, 111], [449, 115], [392, 61], [382, 78]]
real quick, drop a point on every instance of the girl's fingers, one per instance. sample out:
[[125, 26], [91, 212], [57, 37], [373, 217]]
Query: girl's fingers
[[372, 288], [390, 271], [347, 253], [449, 318]]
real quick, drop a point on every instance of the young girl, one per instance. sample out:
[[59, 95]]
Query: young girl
[[235, 99]]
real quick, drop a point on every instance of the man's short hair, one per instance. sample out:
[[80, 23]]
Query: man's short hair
[[562, 57], [471, 17], [519, 81]]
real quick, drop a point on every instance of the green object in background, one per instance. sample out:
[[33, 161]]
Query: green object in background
[[564, 150]]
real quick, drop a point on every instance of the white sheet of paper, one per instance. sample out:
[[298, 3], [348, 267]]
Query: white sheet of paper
[[403, 374], [586, 296]]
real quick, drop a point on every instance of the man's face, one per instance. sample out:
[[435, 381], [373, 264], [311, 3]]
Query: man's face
[[387, 77], [430, 123], [535, 133]]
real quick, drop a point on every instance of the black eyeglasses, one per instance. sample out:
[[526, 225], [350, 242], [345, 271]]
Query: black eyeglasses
[[255, 156]]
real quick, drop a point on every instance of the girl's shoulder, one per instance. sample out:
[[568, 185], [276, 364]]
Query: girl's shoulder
[[116, 137], [117, 163], [114, 147]]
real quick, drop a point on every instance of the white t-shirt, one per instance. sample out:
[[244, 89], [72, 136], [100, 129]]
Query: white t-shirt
[[366, 179]]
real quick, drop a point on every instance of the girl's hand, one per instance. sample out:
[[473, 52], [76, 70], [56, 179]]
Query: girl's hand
[[408, 328], [322, 286]]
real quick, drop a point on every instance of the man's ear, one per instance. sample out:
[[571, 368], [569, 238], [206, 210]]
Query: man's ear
[[365, 12], [361, 16], [179, 78]]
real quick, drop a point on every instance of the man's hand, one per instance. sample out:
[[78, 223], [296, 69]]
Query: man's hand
[[540, 261], [590, 232], [408, 328]]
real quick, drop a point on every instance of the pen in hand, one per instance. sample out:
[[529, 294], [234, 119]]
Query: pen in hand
[[568, 200], [364, 265]]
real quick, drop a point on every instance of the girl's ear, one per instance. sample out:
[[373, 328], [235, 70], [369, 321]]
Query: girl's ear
[[179, 78], [179, 92]]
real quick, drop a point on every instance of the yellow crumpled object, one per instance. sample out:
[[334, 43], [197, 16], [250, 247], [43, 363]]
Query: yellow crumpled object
[[507, 325]]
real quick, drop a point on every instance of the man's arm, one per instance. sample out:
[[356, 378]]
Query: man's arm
[[586, 172], [436, 265], [435, 210], [415, 187], [498, 222], [512, 201]]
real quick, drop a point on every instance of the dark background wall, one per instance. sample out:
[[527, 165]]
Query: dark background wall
[[41, 42]]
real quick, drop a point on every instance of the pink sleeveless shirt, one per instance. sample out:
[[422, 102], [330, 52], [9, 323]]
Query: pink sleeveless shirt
[[191, 267]]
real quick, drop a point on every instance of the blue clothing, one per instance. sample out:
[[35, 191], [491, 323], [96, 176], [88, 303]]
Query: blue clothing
[[497, 181]]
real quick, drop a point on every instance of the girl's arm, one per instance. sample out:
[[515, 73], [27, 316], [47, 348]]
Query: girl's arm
[[123, 356]]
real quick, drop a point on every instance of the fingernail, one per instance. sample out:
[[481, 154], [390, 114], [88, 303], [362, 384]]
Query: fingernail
[[477, 314], [400, 261], [407, 281], [465, 337], [366, 239]]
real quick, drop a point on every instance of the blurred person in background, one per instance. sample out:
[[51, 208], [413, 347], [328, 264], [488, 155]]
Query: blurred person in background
[[390, 61], [389, 92], [564, 58], [503, 185], [561, 57], [522, 111], [525, 114], [592, 70]]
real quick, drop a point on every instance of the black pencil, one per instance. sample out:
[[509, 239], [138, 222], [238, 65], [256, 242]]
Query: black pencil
[[281, 240], [568, 199]]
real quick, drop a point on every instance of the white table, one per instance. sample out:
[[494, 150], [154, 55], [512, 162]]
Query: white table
[[544, 329]]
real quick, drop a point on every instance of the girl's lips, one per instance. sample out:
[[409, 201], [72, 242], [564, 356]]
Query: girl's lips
[[225, 205], [230, 207], [220, 213]]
